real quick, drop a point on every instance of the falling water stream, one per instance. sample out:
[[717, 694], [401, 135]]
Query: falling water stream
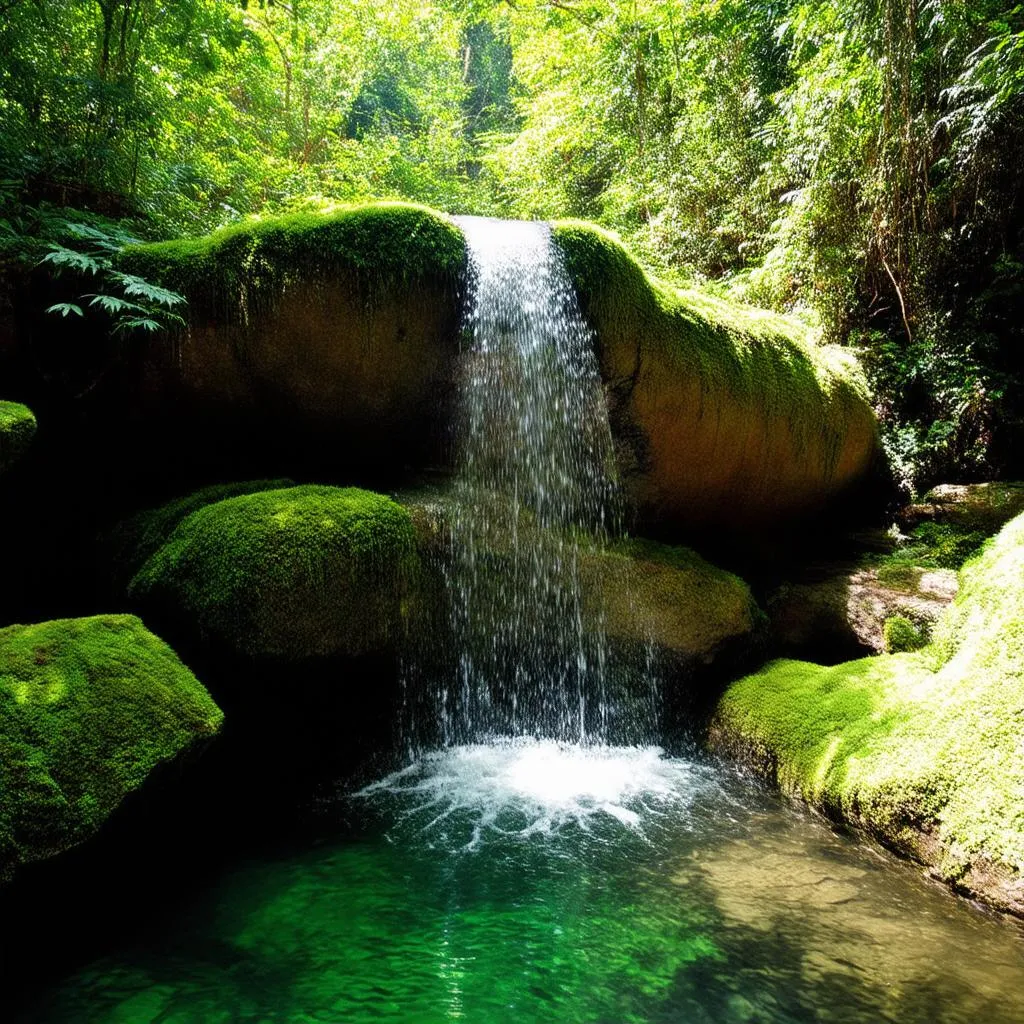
[[527, 869], [535, 472]]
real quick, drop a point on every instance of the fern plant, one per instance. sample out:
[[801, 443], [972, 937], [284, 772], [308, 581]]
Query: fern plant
[[131, 302]]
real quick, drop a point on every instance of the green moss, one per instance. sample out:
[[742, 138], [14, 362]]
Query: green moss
[[88, 707], [900, 635], [909, 743], [760, 358], [929, 546], [135, 540], [17, 429], [946, 546], [643, 591], [243, 268], [297, 572]]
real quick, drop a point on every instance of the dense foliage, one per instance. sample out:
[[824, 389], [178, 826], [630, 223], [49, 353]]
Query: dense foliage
[[861, 160]]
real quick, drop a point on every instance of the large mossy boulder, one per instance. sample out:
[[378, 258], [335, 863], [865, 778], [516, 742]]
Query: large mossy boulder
[[925, 750], [17, 429], [88, 709], [338, 325], [725, 418], [126, 548], [347, 325], [293, 573]]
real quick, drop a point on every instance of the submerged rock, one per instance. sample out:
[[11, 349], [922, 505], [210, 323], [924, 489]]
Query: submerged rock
[[293, 573], [725, 418], [17, 429], [88, 708], [924, 750]]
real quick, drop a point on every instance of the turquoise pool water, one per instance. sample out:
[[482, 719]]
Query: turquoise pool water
[[523, 882]]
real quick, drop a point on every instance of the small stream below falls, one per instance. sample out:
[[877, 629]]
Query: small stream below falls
[[526, 881]]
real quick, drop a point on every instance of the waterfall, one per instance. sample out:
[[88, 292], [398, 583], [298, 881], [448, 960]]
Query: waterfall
[[534, 498]]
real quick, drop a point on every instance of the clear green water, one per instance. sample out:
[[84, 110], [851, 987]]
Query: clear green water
[[533, 883]]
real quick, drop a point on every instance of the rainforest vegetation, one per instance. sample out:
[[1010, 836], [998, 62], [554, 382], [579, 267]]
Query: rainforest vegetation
[[859, 162]]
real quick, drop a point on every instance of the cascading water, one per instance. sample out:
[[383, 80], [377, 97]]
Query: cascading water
[[535, 495]]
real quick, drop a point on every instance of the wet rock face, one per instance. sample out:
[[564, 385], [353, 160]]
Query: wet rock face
[[637, 591], [324, 358]]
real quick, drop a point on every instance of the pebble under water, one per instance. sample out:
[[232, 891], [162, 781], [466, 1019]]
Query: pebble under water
[[531, 881]]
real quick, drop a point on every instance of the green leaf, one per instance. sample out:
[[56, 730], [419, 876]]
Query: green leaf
[[142, 289], [61, 257], [113, 305], [65, 309]]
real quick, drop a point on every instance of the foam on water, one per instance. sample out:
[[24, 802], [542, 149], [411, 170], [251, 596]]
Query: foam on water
[[526, 787]]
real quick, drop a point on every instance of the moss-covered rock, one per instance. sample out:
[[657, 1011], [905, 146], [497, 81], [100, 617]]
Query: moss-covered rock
[[88, 708], [346, 323], [638, 592], [725, 417], [964, 509], [133, 541], [17, 428], [901, 635], [293, 573], [924, 750], [669, 596]]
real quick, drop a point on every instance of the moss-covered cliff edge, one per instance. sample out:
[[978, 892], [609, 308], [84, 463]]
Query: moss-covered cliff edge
[[725, 416], [348, 326], [341, 328]]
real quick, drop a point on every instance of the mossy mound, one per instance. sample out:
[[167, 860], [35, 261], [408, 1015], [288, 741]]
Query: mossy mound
[[88, 708], [900, 635], [132, 542], [294, 573], [17, 429], [343, 324], [925, 750], [725, 416], [671, 597], [378, 245]]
